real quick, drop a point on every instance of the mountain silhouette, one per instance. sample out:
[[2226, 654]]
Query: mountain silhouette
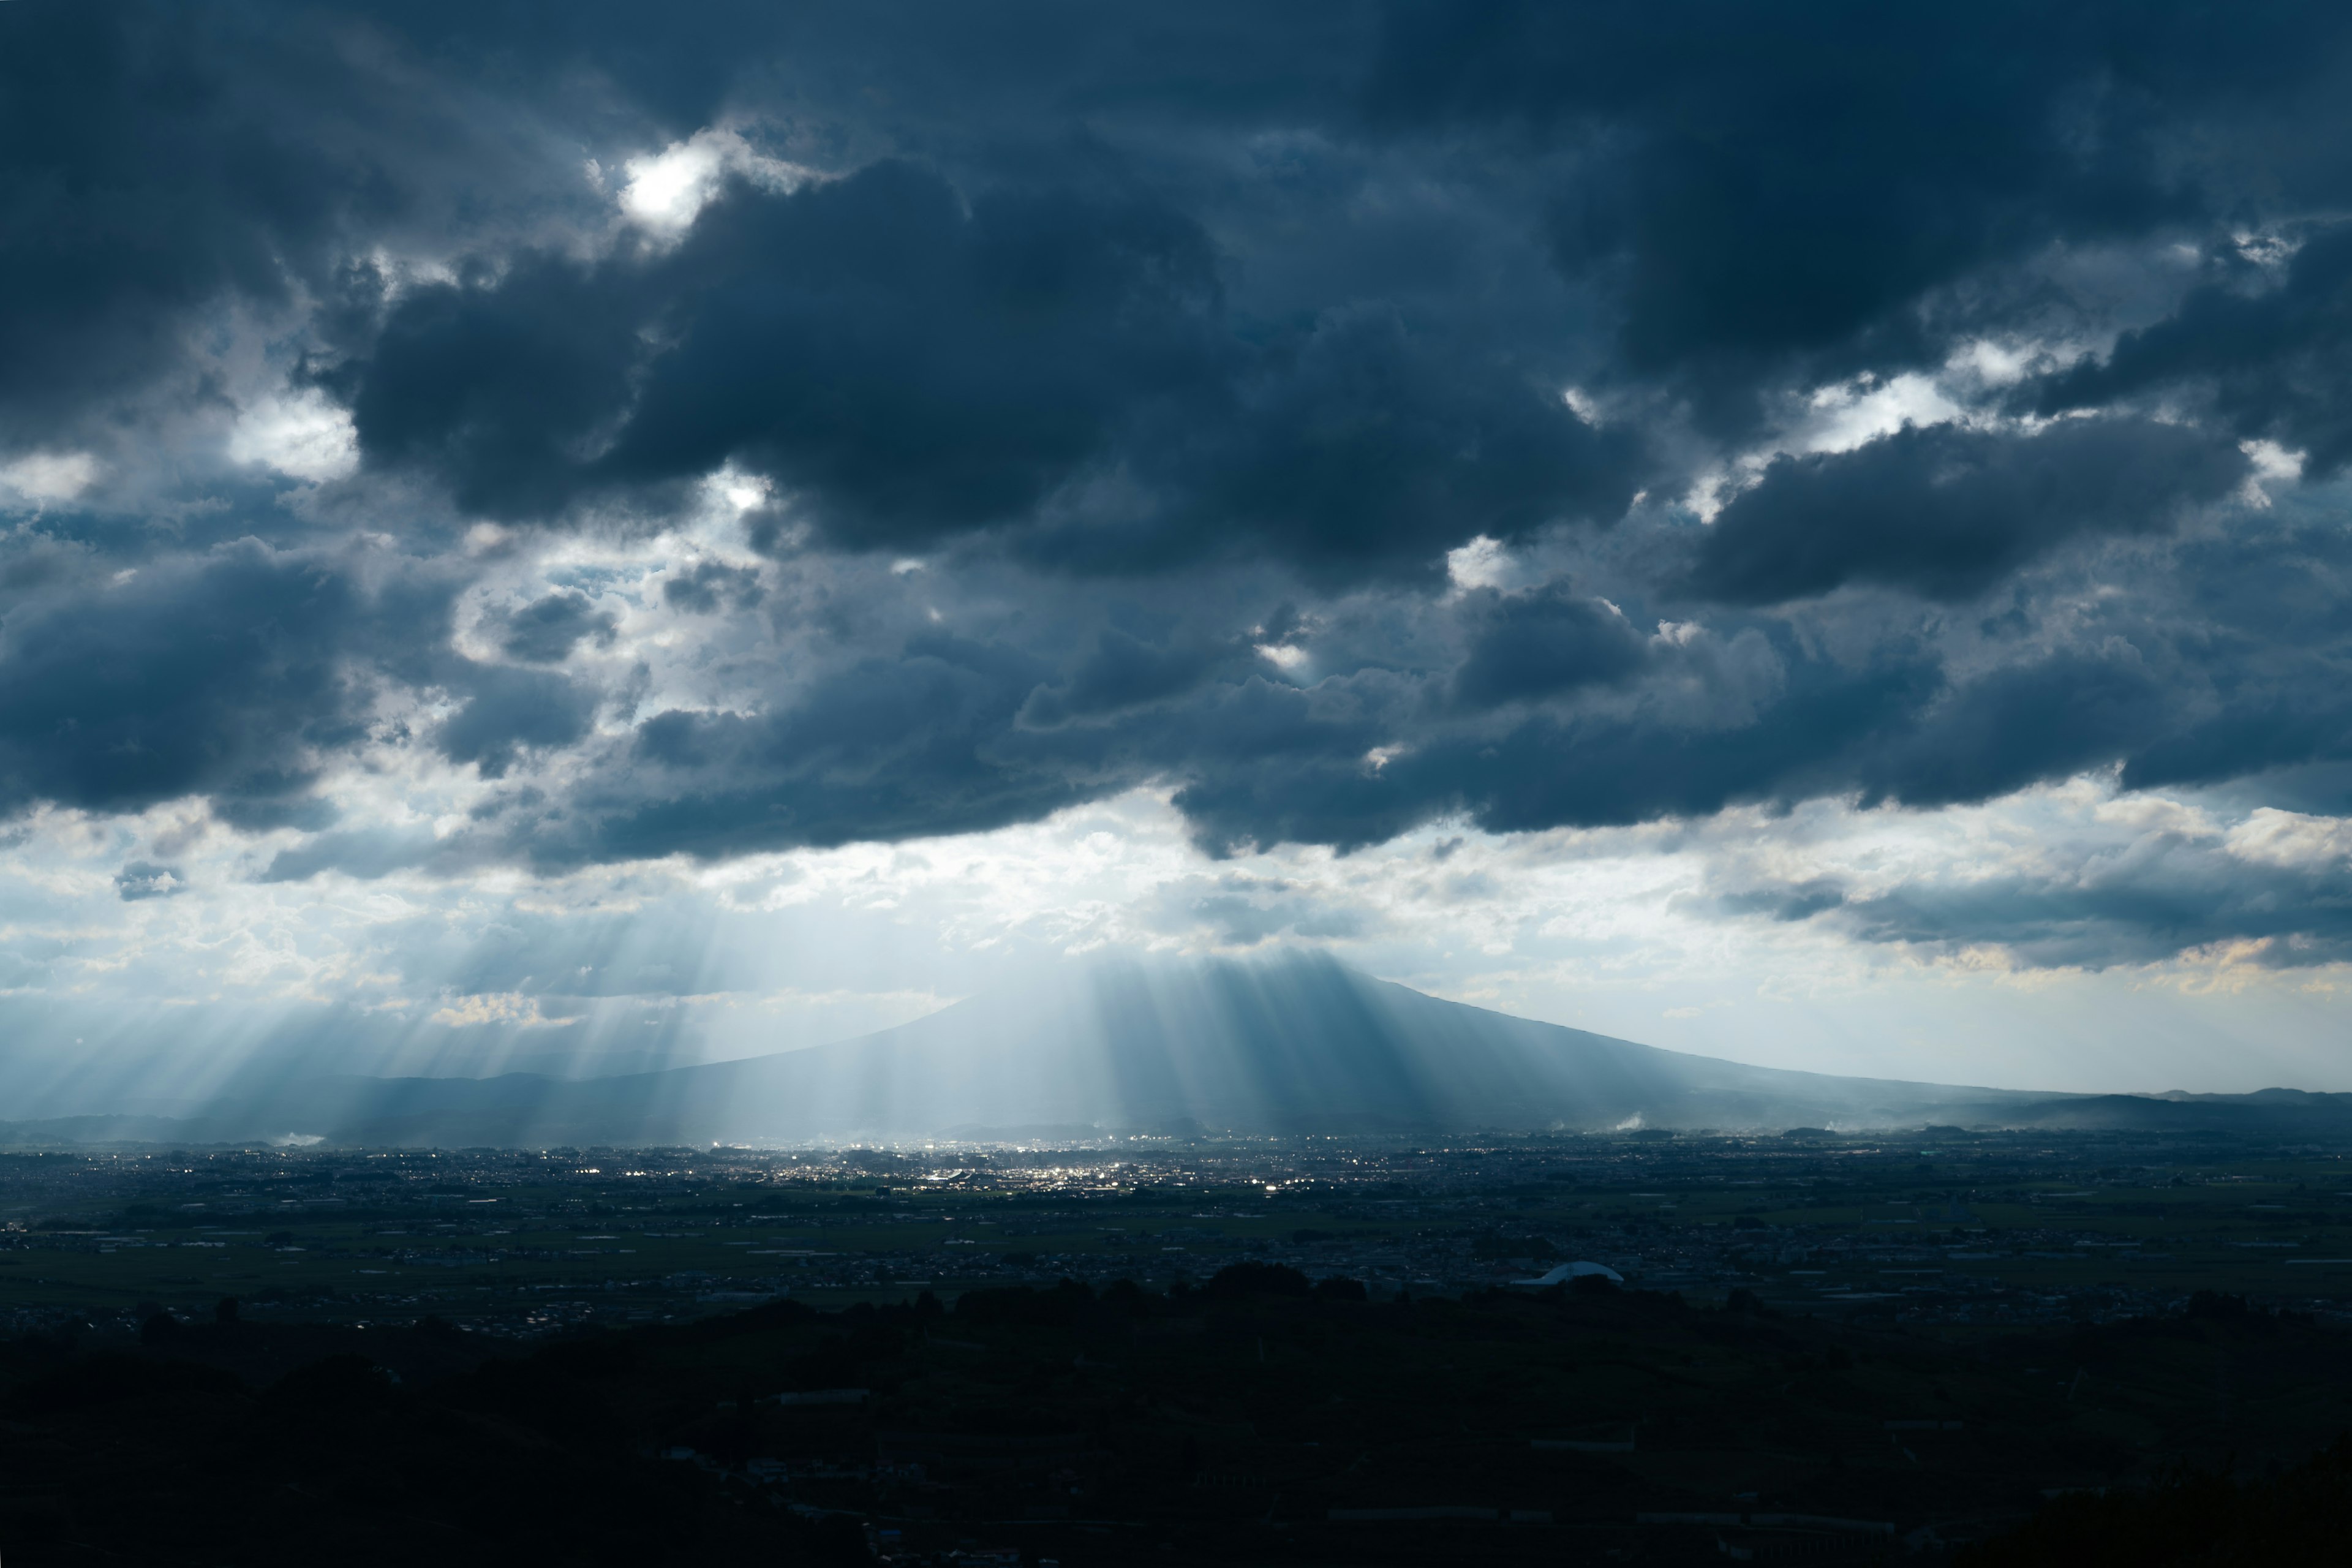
[[1296, 1043]]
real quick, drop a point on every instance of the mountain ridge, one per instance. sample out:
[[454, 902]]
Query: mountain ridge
[[1294, 1044]]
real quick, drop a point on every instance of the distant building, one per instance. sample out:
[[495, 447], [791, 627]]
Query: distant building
[[1568, 1271]]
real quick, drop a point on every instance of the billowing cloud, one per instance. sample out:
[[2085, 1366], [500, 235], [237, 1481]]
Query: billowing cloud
[[907, 362], [144, 879], [2116, 886], [1530, 646], [2258, 348], [165, 172], [236, 674], [545, 631], [1948, 513]]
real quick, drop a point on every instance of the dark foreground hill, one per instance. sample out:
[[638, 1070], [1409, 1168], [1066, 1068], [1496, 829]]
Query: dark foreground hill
[[1228, 1423], [1296, 1045]]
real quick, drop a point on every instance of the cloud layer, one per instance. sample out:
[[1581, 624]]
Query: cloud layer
[[455, 445]]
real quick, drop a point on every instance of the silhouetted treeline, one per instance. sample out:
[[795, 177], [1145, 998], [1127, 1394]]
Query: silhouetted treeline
[[2193, 1520], [1219, 1421]]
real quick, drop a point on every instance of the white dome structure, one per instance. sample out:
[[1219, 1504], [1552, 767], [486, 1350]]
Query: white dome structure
[[1578, 1270]]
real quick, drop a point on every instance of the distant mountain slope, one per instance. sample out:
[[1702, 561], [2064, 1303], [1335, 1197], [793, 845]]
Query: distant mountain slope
[[1295, 1044]]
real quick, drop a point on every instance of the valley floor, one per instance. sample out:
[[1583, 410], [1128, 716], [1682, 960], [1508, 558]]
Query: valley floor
[[1835, 1347]]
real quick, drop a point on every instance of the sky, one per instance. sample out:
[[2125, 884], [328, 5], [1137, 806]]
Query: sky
[[533, 539]]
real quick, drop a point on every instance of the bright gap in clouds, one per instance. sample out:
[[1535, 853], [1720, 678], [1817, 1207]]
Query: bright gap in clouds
[[1722, 938], [666, 191], [302, 434], [43, 477]]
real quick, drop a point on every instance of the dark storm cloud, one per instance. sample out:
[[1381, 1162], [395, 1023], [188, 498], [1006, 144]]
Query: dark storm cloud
[[1176, 350], [233, 674], [2252, 662], [1595, 725], [1538, 643], [914, 366], [545, 631], [909, 366], [1313, 777], [909, 363], [1366, 443], [2268, 358], [1948, 513], [701, 590], [1126, 672], [1802, 901], [500, 391], [1761, 182], [509, 711], [163, 164], [883, 749], [2141, 903]]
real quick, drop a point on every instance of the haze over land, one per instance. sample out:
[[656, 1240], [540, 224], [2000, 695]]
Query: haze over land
[[1117, 1049], [1814, 537]]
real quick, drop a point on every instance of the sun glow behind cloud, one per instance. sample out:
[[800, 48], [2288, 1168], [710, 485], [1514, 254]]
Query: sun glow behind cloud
[[1714, 937]]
